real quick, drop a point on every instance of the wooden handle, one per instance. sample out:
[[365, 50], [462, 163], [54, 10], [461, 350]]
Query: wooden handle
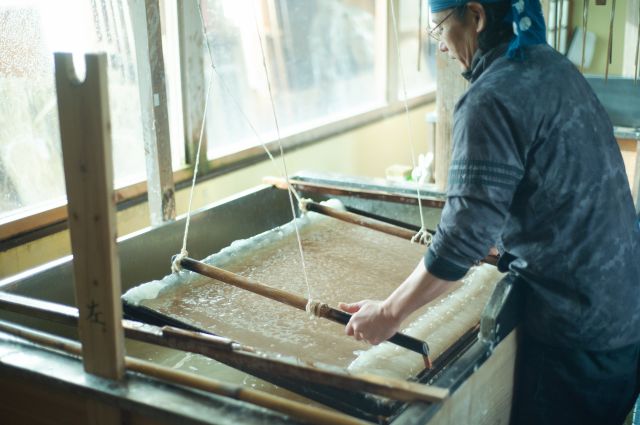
[[292, 300], [371, 223], [242, 282], [403, 340], [360, 220]]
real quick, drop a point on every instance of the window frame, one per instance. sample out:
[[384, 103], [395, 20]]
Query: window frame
[[29, 224]]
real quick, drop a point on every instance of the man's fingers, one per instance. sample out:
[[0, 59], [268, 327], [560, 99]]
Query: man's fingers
[[350, 308], [349, 329]]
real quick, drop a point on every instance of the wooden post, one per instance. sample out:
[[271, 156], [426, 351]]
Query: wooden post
[[85, 131], [450, 86], [194, 87], [145, 18]]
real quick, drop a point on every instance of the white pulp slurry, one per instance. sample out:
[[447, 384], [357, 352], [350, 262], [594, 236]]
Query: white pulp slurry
[[441, 325]]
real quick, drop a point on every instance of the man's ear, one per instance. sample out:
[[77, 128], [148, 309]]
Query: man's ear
[[478, 15]]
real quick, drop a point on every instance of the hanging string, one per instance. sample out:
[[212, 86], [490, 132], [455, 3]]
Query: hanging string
[[291, 190], [284, 165], [422, 236], [175, 265], [230, 95]]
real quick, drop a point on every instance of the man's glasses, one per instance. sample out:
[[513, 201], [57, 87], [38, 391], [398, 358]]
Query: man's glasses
[[436, 32]]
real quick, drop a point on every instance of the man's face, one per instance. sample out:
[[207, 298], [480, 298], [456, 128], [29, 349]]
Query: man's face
[[457, 36]]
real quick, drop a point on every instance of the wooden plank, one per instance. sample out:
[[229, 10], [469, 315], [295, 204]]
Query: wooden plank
[[194, 87], [365, 193], [20, 396], [145, 18], [449, 87], [53, 407], [85, 130], [302, 411], [486, 396], [30, 220]]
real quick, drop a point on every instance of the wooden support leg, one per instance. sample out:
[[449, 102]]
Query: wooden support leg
[[85, 131]]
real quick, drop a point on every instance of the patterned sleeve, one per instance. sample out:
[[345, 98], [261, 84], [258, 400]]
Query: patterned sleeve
[[487, 166]]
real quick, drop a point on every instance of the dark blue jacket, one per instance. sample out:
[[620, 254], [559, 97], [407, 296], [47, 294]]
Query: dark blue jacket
[[536, 171]]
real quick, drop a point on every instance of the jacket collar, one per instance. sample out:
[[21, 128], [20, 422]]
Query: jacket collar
[[482, 60]]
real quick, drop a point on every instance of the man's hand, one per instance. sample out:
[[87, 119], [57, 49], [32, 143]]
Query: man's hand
[[370, 321], [377, 321]]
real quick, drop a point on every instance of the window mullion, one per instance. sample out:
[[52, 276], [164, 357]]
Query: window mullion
[[192, 71], [145, 17], [391, 51]]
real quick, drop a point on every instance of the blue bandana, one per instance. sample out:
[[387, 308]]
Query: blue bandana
[[527, 18]]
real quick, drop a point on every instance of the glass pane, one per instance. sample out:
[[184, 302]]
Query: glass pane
[[30, 154], [419, 77], [321, 60]]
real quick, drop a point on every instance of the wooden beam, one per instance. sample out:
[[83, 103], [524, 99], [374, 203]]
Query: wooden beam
[[145, 18], [304, 412], [365, 193], [486, 396], [236, 355], [449, 87], [370, 223], [85, 130]]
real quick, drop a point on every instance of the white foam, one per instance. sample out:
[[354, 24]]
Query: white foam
[[441, 325]]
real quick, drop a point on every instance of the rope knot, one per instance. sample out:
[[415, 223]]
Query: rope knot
[[313, 308], [176, 267], [422, 237], [302, 204]]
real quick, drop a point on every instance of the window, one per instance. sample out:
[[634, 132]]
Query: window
[[320, 57], [31, 172], [327, 60], [559, 13], [417, 49]]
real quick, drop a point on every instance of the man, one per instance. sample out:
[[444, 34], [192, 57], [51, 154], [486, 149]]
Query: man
[[535, 171]]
